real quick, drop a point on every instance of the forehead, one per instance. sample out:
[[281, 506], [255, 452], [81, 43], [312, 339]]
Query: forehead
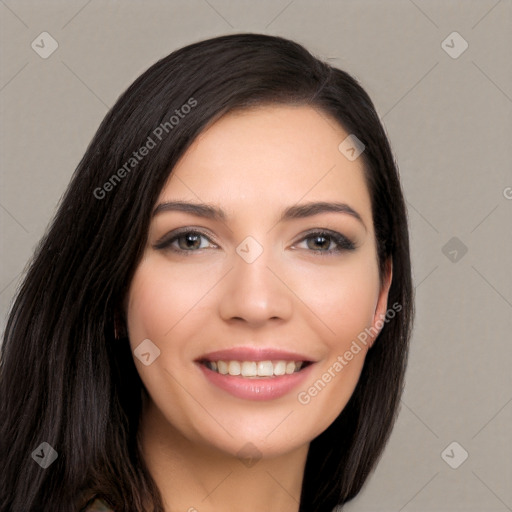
[[268, 157]]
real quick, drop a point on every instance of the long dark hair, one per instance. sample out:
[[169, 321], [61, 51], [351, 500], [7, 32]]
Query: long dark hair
[[66, 380]]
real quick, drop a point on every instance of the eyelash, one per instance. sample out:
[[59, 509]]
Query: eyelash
[[343, 243]]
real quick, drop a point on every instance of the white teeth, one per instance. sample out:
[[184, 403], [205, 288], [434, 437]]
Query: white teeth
[[234, 368], [249, 369], [222, 367], [280, 368], [265, 369], [255, 368], [290, 368]]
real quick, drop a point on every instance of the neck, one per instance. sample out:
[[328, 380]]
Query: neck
[[197, 477]]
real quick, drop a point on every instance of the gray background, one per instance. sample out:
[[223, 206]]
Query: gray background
[[449, 122]]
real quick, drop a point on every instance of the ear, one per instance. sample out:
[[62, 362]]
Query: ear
[[382, 302]]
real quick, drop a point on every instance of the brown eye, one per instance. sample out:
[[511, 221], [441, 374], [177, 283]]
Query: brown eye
[[191, 241], [321, 242], [187, 241]]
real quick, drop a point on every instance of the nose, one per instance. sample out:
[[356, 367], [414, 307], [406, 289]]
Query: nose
[[255, 292]]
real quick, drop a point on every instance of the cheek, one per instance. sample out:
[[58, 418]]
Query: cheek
[[340, 300], [345, 306], [160, 296], [159, 300]]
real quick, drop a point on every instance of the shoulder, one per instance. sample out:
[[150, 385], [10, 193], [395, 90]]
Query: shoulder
[[97, 505]]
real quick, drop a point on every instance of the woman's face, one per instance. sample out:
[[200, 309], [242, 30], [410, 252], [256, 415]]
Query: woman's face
[[256, 291]]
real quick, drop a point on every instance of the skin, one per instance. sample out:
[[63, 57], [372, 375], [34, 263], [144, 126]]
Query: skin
[[253, 164]]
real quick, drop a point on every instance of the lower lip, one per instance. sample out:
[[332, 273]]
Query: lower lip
[[262, 388]]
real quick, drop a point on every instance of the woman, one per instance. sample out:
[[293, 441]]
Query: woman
[[219, 314]]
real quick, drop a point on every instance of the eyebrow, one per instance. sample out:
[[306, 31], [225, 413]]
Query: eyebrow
[[300, 211]]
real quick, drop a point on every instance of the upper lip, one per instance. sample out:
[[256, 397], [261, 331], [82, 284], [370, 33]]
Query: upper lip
[[253, 354]]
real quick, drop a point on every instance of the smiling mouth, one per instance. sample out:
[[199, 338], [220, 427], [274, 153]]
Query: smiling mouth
[[255, 369]]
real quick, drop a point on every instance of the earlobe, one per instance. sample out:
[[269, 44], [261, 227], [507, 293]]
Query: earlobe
[[382, 302]]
